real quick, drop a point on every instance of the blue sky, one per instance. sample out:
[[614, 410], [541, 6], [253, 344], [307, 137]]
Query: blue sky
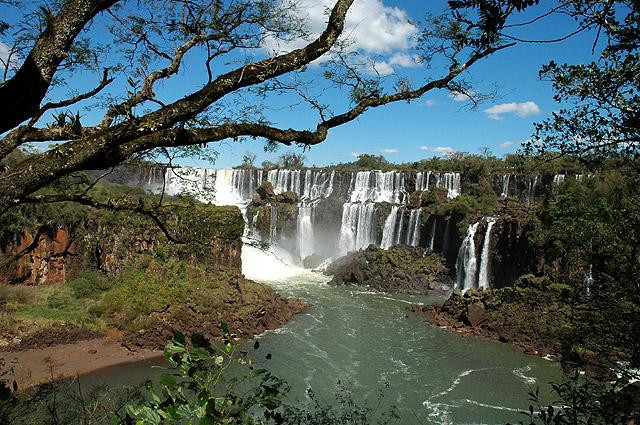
[[433, 125], [408, 132]]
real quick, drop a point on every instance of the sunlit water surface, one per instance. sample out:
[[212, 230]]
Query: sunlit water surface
[[366, 340]]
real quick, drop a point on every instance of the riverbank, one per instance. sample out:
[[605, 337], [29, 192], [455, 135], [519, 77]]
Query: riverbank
[[530, 319], [43, 365]]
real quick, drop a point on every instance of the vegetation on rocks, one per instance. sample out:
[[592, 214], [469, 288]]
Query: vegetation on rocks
[[399, 269], [532, 316], [143, 303]]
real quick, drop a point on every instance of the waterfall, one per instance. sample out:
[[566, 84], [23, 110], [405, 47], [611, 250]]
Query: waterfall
[[588, 280], [432, 235], [388, 231], [505, 186], [466, 262], [400, 229], [284, 180], [317, 185], [558, 178], [413, 232], [254, 225], [305, 231], [422, 181], [221, 187], [357, 228], [451, 182], [485, 257], [579, 177], [378, 186], [273, 224], [531, 190]]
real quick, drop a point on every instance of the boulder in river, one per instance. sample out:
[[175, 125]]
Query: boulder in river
[[399, 269]]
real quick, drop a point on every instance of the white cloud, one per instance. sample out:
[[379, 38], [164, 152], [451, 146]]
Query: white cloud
[[389, 150], [356, 154], [462, 97], [505, 145], [428, 102], [4, 57], [399, 59], [381, 68], [370, 27], [439, 150], [522, 110]]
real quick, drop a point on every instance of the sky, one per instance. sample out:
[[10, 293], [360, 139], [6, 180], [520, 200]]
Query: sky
[[435, 125], [438, 123]]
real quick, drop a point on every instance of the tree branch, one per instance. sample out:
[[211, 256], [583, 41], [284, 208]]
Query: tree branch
[[29, 85], [39, 170]]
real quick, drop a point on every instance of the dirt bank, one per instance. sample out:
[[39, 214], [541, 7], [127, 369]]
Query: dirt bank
[[38, 366]]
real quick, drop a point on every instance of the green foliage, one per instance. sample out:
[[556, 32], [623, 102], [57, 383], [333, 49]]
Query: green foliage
[[89, 284], [248, 160], [601, 99], [288, 160], [584, 401], [151, 288], [210, 384], [371, 162], [479, 200]]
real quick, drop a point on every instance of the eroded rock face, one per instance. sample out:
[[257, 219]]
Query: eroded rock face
[[40, 257], [400, 269], [48, 254]]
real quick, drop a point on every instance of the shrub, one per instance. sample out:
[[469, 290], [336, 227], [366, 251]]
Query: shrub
[[16, 295], [89, 284]]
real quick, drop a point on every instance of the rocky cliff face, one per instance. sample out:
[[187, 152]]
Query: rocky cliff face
[[50, 252]]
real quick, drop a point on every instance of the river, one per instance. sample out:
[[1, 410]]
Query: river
[[366, 339]]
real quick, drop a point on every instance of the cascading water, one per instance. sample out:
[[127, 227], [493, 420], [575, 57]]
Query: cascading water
[[388, 231], [305, 231], [531, 190], [273, 225], [505, 186], [558, 178], [432, 233], [284, 180], [413, 232], [317, 185], [466, 264], [221, 187], [451, 182], [485, 257], [378, 186], [422, 181], [400, 228], [357, 226]]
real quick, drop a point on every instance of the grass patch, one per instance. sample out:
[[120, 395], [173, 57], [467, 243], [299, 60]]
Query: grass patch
[[130, 300]]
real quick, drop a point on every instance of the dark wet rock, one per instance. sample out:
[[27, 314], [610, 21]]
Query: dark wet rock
[[266, 191], [312, 261], [530, 319], [290, 197], [400, 269], [476, 315]]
